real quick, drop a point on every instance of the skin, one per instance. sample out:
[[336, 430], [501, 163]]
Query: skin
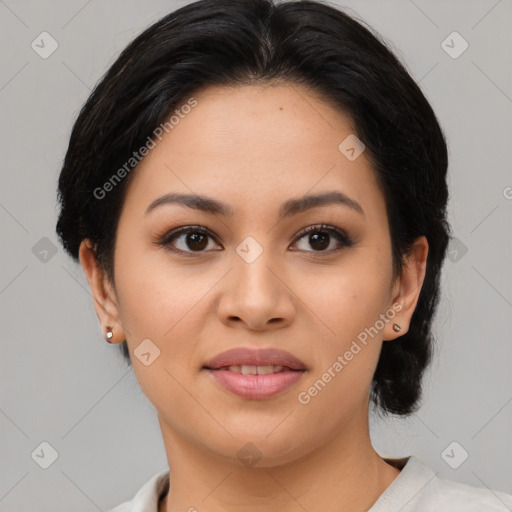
[[253, 148]]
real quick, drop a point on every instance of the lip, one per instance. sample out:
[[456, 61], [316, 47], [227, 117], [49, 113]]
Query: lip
[[255, 357], [256, 387]]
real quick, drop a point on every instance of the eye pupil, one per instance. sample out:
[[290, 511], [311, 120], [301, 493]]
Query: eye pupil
[[314, 237], [195, 238]]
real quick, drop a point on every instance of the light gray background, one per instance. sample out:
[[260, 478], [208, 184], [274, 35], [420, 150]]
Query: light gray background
[[63, 384]]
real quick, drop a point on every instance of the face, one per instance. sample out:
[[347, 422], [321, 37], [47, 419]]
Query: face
[[254, 278]]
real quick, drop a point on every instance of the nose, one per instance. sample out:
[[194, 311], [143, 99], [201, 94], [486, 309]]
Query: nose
[[256, 296]]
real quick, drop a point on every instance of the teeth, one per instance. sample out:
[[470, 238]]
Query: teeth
[[255, 370], [265, 370], [249, 370]]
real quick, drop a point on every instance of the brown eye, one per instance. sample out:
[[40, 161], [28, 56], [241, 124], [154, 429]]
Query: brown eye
[[320, 238], [188, 239], [196, 241], [319, 241]]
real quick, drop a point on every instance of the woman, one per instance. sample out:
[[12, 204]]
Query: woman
[[257, 195]]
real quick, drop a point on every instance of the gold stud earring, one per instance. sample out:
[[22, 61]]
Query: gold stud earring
[[110, 334], [396, 328]]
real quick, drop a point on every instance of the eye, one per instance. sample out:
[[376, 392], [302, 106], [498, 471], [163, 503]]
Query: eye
[[195, 239], [187, 239], [320, 238]]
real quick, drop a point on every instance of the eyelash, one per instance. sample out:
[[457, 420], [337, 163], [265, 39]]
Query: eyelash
[[338, 234]]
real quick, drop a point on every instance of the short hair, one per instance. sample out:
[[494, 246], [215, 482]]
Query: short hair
[[241, 42]]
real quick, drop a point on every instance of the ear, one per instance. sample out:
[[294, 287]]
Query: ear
[[407, 288], [105, 301]]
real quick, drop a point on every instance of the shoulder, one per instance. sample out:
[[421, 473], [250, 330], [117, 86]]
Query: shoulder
[[147, 496], [450, 496], [419, 489]]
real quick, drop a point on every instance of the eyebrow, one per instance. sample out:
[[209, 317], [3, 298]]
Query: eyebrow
[[288, 208]]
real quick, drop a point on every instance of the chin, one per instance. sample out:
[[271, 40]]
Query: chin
[[261, 449]]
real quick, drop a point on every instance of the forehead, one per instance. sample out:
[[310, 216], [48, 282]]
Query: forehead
[[269, 141]]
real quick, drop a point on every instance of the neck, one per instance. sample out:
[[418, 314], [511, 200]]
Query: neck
[[345, 470]]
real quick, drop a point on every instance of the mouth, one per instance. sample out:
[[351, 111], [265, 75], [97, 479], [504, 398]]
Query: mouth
[[262, 359], [254, 370], [255, 374]]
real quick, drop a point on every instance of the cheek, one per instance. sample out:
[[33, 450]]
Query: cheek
[[345, 298], [160, 304], [346, 304], [162, 301], [151, 293]]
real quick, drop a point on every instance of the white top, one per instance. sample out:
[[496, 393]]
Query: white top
[[416, 489]]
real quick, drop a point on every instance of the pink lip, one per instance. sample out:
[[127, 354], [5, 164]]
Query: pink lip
[[255, 357], [256, 387]]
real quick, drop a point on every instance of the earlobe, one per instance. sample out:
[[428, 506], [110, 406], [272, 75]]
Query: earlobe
[[105, 302], [407, 288]]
